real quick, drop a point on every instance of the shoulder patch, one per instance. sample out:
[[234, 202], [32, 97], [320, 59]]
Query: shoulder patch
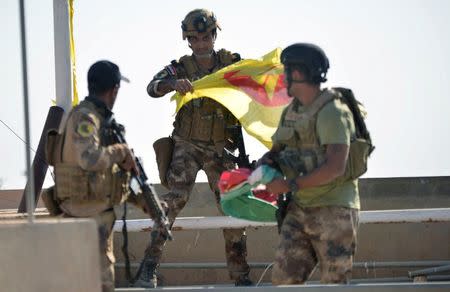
[[85, 129], [171, 70]]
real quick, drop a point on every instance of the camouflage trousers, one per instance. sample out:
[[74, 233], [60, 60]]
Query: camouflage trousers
[[105, 222], [318, 235], [187, 160]]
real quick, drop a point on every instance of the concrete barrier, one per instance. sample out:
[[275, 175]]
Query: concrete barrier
[[50, 255], [425, 241]]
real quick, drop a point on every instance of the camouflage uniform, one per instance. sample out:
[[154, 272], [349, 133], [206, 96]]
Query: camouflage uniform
[[88, 180], [105, 222], [316, 234], [199, 139]]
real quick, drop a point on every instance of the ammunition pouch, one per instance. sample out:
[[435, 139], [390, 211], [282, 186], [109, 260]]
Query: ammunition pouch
[[202, 126], [80, 186], [357, 159], [50, 202], [183, 122], [163, 150], [203, 119], [53, 147]]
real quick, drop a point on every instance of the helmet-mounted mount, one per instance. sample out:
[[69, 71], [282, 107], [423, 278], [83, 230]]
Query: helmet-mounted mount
[[198, 21]]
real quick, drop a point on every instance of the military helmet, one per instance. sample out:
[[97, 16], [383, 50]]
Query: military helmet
[[198, 21], [308, 55]]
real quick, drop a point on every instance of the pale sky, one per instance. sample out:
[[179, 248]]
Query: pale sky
[[393, 54]]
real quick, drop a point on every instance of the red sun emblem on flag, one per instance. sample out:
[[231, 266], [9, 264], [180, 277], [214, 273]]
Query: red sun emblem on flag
[[270, 91]]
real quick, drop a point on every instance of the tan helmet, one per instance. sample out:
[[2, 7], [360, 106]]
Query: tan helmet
[[198, 21]]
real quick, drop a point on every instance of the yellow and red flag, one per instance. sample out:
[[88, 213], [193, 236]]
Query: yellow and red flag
[[253, 91]]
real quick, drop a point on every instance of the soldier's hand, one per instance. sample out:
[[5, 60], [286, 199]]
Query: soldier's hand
[[278, 186], [182, 86], [129, 162]]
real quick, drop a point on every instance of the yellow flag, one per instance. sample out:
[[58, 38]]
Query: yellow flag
[[252, 90], [72, 55]]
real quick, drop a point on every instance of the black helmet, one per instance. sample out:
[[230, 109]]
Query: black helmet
[[307, 55]]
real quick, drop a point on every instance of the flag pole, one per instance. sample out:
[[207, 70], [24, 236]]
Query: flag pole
[[29, 170], [57, 114]]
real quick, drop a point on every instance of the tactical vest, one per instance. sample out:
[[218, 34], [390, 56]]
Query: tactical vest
[[303, 152], [87, 192], [204, 119]]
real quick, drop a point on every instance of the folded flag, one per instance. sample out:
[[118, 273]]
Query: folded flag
[[242, 198]]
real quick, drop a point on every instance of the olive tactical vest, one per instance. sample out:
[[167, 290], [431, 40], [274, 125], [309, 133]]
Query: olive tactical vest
[[303, 152], [204, 119], [84, 192]]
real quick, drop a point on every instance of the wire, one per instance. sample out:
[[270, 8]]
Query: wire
[[28, 145], [263, 274], [12, 131]]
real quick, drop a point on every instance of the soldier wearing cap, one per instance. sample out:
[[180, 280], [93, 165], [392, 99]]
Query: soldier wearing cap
[[312, 148], [198, 140], [92, 172]]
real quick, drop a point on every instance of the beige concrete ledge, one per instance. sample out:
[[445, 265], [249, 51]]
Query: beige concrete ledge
[[50, 255]]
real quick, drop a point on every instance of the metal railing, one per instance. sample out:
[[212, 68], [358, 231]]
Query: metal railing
[[221, 222]]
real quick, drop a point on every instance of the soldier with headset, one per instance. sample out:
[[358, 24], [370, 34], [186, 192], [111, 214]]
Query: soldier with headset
[[321, 145], [198, 141]]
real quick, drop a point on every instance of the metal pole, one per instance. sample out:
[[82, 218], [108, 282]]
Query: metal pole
[[263, 265], [63, 67], [30, 176], [426, 272]]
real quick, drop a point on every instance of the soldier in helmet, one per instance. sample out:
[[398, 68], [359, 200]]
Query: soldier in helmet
[[311, 147], [199, 137]]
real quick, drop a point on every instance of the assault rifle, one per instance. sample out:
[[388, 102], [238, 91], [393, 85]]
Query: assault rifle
[[139, 185], [242, 159]]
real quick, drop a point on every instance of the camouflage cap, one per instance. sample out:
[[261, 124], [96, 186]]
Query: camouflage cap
[[198, 21]]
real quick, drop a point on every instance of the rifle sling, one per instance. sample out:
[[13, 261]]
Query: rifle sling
[[125, 244]]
